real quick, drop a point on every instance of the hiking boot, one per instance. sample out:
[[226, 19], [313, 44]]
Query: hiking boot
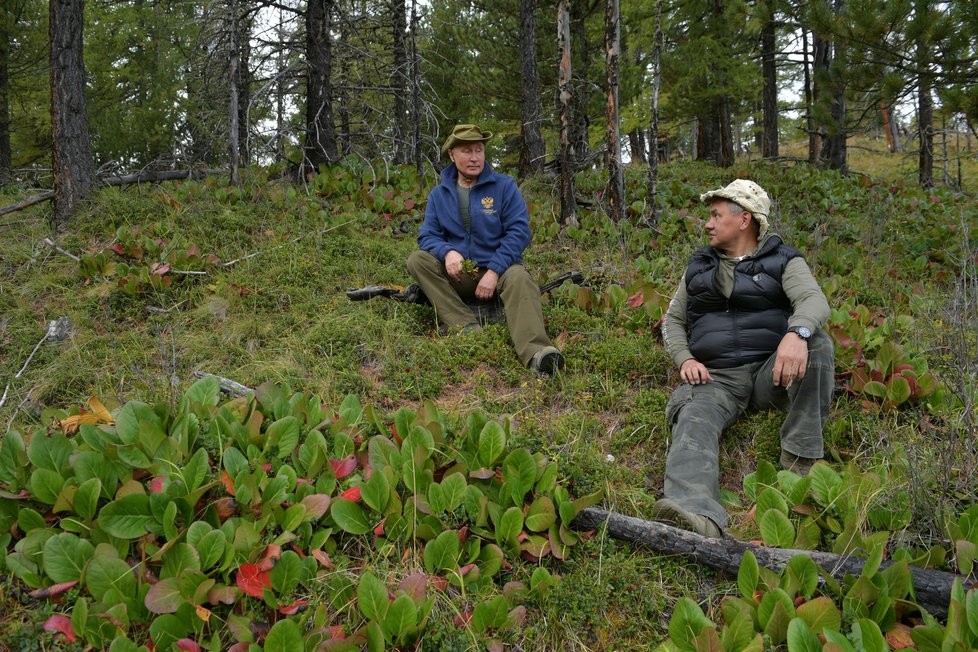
[[796, 464], [547, 360], [669, 512]]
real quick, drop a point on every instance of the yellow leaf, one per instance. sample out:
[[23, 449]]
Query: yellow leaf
[[203, 613], [100, 410], [70, 424]]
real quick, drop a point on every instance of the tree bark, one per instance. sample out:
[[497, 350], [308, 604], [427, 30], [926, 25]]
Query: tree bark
[[400, 123], [320, 142], [925, 102], [932, 587], [636, 146], [809, 108], [612, 43], [531, 141], [580, 87], [233, 111], [243, 30], [652, 187], [769, 70], [416, 91], [6, 158], [72, 160], [568, 202]]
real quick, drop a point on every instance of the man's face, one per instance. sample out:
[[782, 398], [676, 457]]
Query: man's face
[[469, 158], [725, 225]]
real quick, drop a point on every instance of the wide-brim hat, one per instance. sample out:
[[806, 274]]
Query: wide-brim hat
[[749, 195], [465, 134]]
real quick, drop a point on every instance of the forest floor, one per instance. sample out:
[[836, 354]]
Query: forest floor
[[282, 315]]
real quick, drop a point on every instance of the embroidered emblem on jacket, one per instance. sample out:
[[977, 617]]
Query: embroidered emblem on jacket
[[487, 203]]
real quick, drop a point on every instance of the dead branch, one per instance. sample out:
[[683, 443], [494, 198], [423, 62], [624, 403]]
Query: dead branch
[[124, 180], [931, 587], [228, 386], [49, 242]]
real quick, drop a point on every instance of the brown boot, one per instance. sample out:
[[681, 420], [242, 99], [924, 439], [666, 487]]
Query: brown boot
[[669, 512], [796, 464]]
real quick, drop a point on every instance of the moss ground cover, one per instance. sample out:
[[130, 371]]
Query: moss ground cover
[[888, 256]]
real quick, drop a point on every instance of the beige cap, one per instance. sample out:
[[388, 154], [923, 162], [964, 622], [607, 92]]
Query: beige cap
[[465, 134], [749, 195]]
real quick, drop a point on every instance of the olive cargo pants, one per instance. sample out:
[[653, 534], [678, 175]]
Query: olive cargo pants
[[518, 292], [698, 415]]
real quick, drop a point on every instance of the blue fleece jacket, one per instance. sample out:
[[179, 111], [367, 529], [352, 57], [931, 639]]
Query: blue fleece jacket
[[500, 223]]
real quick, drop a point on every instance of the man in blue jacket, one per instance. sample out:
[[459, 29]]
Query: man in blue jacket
[[475, 229]]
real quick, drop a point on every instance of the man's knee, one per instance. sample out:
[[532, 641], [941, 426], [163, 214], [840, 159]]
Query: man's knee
[[821, 350], [419, 261]]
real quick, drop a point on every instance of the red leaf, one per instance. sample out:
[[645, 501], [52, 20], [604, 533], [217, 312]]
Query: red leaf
[[160, 270], [267, 468], [439, 584], [119, 249], [189, 645], [252, 580], [463, 617], [465, 569], [156, 484], [271, 555], [415, 585], [228, 482], [241, 646], [299, 552], [344, 467], [353, 493], [52, 591], [60, 623], [321, 557], [635, 300], [293, 608], [379, 530], [408, 204]]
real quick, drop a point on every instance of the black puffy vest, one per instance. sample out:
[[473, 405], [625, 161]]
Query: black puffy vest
[[748, 326]]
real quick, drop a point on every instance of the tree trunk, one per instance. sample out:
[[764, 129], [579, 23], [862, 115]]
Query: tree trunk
[[925, 102], [636, 146], [888, 130], [726, 137], [416, 91], [580, 87], [834, 150], [809, 109], [243, 30], [652, 187], [932, 587], [568, 202], [612, 44], [769, 70], [320, 143], [6, 159], [531, 141], [402, 140], [233, 91], [72, 161]]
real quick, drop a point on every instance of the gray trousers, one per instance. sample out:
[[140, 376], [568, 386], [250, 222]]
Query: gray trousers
[[698, 415], [518, 292]]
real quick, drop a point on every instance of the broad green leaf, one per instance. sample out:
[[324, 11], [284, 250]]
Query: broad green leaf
[[768, 499], [46, 485], [770, 602], [286, 573], [519, 474], [776, 529], [402, 617], [803, 574], [492, 443], [490, 614], [292, 517], [510, 525], [106, 571], [442, 552], [65, 556], [454, 491], [820, 614], [737, 632], [587, 501], [133, 457], [747, 575], [548, 479], [211, 548], [284, 434], [898, 390], [164, 597], [196, 470], [376, 491], [687, 621], [234, 462], [350, 409], [541, 514], [49, 452], [867, 637], [801, 638], [350, 517], [13, 458], [284, 636], [86, 498], [167, 629], [28, 519], [129, 419], [372, 597], [127, 518]]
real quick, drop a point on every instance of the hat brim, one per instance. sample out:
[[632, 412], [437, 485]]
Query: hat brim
[[454, 142]]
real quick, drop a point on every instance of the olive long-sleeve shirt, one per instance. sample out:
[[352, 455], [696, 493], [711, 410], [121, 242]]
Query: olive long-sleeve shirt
[[808, 303]]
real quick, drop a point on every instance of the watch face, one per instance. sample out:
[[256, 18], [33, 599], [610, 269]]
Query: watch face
[[803, 332]]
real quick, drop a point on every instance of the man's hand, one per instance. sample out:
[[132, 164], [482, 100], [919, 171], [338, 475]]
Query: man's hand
[[453, 264], [791, 360], [487, 286], [694, 372]]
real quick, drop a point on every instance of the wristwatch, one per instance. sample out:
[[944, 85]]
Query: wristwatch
[[801, 331]]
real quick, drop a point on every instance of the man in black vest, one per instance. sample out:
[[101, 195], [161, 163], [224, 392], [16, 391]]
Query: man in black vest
[[745, 329]]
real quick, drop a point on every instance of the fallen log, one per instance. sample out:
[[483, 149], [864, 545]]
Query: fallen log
[[124, 180], [931, 587]]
